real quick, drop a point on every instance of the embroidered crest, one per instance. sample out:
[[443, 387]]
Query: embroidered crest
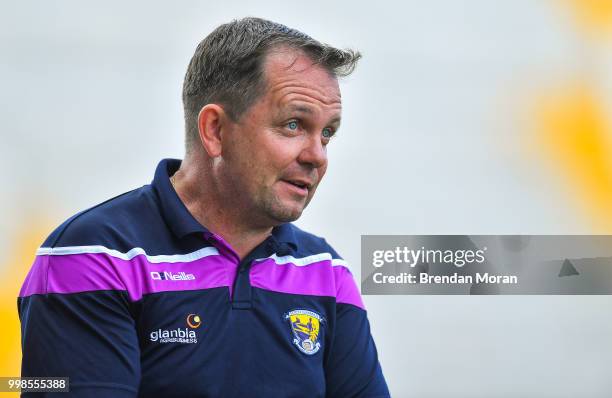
[[306, 328]]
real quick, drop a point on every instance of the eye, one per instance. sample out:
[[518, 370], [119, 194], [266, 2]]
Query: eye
[[327, 133], [292, 125]]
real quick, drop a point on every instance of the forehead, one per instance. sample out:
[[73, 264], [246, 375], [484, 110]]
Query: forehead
[[292, 75]]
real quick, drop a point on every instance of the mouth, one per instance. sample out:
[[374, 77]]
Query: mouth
[[299, 186]]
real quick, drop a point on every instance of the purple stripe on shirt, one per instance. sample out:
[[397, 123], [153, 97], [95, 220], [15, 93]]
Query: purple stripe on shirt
[[346, 288], [36, 280], [76, 273], [317, 279]]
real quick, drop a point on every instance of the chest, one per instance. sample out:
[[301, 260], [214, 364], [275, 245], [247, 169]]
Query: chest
[[199, 343]]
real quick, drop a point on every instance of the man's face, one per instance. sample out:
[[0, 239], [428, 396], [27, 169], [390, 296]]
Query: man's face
[[275, 156]]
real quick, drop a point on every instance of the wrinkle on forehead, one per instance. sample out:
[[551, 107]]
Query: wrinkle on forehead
[[289, 91], [293, 78], [292, 104]]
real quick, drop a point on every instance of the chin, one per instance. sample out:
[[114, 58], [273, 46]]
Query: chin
[[283, 213], [286, 215]]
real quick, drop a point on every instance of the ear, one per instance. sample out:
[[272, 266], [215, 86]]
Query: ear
[[212, 121]]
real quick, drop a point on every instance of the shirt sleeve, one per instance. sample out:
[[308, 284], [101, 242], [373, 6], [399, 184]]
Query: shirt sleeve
[[88, 336], [352, 368]]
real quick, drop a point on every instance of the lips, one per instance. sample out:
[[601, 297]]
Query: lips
[[298, 185], [299, 182]]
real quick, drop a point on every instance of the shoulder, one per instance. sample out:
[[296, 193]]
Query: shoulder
[[312, 249], [91, 250], [309, 244], [111, 223]]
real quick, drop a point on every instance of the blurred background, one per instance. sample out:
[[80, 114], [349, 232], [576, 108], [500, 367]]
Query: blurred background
[[464, 117]]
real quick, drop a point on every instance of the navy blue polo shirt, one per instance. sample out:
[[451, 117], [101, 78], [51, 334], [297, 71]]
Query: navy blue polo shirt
[[134, 297]]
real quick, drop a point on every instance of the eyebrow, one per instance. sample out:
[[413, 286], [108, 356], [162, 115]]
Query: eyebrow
[[308, 110]]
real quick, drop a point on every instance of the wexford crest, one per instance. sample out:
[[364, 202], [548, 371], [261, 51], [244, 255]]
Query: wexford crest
[[306, 327]]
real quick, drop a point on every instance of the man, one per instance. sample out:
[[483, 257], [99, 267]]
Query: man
[[198, 284]]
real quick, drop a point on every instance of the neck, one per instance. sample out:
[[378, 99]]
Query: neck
[[200, 195]]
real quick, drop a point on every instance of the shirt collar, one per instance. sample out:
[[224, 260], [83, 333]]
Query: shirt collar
[[180, 220], [175, 213], [285, 233]]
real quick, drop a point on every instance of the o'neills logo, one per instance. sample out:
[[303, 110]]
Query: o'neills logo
[[178, 335], [169, 276]]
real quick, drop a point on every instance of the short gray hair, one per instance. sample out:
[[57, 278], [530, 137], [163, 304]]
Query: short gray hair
[[226, 67]]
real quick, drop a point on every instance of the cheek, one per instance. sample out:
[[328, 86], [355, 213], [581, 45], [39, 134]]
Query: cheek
[[265, 158], [262, 168], [279, 155]]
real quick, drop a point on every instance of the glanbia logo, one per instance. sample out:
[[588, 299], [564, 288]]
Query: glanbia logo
[[178, 335], [193, 321]]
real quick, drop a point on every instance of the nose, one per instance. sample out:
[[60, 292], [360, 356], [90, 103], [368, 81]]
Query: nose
[[314, 152]]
